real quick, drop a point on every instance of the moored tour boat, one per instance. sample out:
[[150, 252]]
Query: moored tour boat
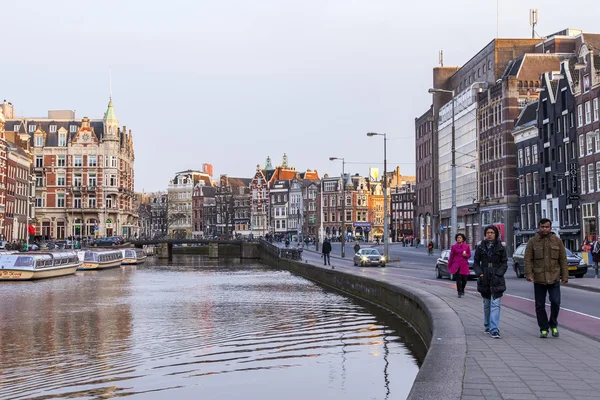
[[38, 265], [101, 259], [133, 256]]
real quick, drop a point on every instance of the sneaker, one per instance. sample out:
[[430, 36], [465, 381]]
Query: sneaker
[[554, 332], [487, 330], [459, 295], [496, 335], [543, 334]]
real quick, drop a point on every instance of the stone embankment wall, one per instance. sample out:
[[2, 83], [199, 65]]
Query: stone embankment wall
[[442, 371]]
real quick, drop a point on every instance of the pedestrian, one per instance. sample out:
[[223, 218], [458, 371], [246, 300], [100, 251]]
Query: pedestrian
[[596, 255], [546, 266], [356, 247], [490, 265], [458, 263], [326, 249], [430, 248], [418, 242]]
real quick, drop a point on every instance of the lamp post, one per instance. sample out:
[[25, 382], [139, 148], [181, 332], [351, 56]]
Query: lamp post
[[453, 212], [385, 210], [343, 204]]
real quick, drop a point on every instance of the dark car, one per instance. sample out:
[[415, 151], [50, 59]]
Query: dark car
[[366, 257], [577, 266], [441, 266]]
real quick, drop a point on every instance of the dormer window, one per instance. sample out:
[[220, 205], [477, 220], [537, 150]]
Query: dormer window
[[16, 128], [73, 128], [31, 128], [52, 128], [62, 139], [39, 141]]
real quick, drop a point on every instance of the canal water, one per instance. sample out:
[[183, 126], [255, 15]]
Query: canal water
[[198, 329]]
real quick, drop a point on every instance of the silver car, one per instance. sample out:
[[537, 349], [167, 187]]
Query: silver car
[[366, 257]]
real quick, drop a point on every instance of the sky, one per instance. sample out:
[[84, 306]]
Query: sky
[[230, 82]]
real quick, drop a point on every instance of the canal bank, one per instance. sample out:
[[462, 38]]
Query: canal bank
[[438, 324]]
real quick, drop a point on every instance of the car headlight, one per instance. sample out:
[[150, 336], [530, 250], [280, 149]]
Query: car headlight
[[582, 262], [364, 258], [382, 258]]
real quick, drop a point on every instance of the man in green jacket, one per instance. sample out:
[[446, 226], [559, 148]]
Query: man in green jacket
[[546, 267]]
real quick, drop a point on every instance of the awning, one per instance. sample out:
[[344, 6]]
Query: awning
[[569, 231]]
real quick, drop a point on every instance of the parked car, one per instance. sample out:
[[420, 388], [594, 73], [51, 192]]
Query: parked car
[[366, 257], [441, 266], [577, 266]]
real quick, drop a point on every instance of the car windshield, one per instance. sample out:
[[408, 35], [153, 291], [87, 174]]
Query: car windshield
[[370, 252]]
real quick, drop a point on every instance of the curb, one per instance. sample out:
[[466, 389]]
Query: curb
[[583, 287]]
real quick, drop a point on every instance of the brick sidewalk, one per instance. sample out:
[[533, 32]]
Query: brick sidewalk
[[520, 365]]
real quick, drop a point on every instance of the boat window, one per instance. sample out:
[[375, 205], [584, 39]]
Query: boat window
[[89, 256], [24, 261]]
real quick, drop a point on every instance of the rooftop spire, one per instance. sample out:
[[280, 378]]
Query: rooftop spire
[[110, 112]]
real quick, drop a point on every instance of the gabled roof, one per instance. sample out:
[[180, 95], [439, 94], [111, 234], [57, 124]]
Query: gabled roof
[[528, 115], [281, 174]]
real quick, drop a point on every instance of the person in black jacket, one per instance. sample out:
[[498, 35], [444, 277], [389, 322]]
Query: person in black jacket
[[490, 265], [326, 249]]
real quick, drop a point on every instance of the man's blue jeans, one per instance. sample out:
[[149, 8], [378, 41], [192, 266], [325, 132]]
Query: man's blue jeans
[[491, 313]]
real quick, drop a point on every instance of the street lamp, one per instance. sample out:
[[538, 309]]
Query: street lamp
[[385, 213], [453, 212], [343, 203]]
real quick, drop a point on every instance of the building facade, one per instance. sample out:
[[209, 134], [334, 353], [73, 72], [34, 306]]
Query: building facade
[[84, 177], [18, 193], [426, 199], [180, 191]]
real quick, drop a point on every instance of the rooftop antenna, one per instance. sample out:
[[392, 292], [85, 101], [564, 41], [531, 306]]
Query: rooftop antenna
[[497, 18], [110, 83], [441, 58], [533, 20]]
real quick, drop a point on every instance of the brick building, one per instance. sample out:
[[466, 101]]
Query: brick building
[[84, 177]]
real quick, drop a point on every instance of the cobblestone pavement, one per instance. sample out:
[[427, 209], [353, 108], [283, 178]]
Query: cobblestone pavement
[[520, 365]]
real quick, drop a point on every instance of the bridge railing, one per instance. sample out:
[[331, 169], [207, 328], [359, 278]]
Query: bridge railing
[[292, 254]]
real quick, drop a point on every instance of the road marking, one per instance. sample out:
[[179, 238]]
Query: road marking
[[562, 308]]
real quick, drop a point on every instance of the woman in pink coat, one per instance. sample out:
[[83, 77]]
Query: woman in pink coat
[[458, 263]]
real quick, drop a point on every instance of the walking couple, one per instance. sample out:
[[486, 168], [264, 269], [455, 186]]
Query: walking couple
[[489, 264]]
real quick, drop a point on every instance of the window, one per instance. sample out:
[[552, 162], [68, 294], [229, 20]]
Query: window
[[31, 128], [92, 179], [62, 139], [528, 184], [579, 116], [590, 144], [77, 201], [39, 161], [16, 128], [61, 161], [527, 155], [581, 149], [72, 128], [91, 202], [60, 200], [60, 180], [52, 128], [109, 202], [534, 151], [598, 176], [113, 162], [521, 185], [520, 158], [38, 181], [591, 177], [38, 202], [92, 161], [536, 177], [523, 216], [112, 180], [588, 112], [596, 116], [39, 141], [77, 180], [560, 154], [78, 161], [582, 178]]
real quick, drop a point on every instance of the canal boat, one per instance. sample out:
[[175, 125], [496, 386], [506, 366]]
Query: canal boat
[[101, 259], [133, 256], [38, 265]]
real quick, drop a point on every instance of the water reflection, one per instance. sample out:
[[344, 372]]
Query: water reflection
[[223, 329]]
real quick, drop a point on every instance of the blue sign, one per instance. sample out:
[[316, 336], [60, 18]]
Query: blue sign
[[441, 227], [363, 224]]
